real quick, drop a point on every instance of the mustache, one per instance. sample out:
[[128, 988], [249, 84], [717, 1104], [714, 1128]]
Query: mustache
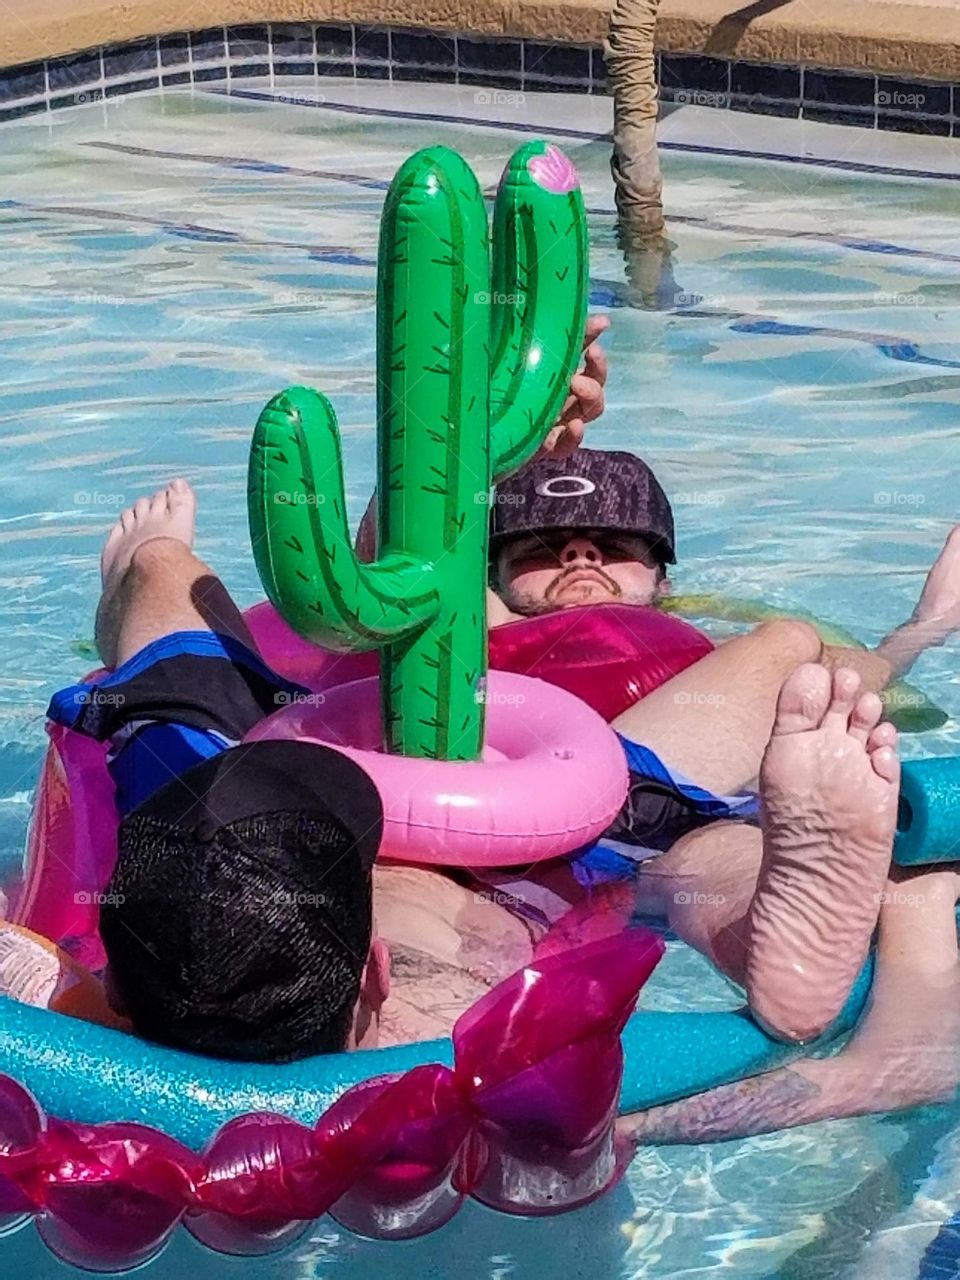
[[563, 577]]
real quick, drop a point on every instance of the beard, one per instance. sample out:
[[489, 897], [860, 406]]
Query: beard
[[532, 605]]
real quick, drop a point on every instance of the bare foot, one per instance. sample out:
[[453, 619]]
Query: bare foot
[[939, 603], [168, 513], [829, 786]]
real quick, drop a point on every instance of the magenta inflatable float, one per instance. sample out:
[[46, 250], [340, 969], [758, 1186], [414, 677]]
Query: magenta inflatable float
[[523, 1121]]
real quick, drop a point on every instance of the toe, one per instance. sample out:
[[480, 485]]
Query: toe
[[886, 764], [884, 735], [141, 510], [865, 716], [158, 503], [178, 494], [803, 699], [843, 698], [128, 519]]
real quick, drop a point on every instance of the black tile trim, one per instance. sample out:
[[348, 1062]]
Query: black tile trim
[[755, 80], [912, 97], [371, 44], [29, 81], [336, 69], [555, 61], [428, 75], [22, 110], [422, 50], [294, 68], [935, 126], [488, 80], [209, 45], [131, 86], [497, 63], [139, 57], [373, 70], [202, 75], [535, 84], [839, 115], [500, 55], [764, 106], [335, 42], [174, 50], [682, 71], [839, 90], [74, 71], [293, 41]]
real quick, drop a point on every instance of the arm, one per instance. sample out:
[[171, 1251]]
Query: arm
[[904, 1053], [904, 645], [873, 668], [584, 404], [808, 1091]]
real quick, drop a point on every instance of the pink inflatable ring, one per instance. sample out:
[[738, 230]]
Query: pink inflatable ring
[[553, 777]]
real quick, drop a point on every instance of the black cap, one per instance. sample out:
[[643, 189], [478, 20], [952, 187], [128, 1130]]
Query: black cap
[[238, 919], [271, 776], [592, 489]]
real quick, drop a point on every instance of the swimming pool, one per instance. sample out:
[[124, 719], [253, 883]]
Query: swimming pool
[[168, 263]]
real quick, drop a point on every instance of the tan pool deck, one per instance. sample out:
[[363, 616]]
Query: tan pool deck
[[908, 38]]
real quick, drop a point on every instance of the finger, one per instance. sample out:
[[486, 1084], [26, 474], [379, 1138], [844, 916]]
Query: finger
[[595, 365], [596, 409], [570, 438], [596, 324], [587, 391], [550, 439]]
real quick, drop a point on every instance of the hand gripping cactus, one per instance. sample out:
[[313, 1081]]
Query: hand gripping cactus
[[473, 366]]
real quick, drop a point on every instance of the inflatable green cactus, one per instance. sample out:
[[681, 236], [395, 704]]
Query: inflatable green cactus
[[473, 364]]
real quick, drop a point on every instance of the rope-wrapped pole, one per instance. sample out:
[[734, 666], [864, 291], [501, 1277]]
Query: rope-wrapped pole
[[632, 77]]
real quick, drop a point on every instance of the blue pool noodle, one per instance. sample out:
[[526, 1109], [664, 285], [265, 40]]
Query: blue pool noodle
[[928, 827], [79, 1071]]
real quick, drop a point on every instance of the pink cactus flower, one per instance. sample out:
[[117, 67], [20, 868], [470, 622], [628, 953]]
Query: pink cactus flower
[[553, 171]]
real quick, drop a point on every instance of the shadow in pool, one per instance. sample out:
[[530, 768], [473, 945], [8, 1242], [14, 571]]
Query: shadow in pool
[[847, 1227]]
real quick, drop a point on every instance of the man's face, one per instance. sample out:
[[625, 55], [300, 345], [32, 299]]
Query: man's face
[[562, 568]]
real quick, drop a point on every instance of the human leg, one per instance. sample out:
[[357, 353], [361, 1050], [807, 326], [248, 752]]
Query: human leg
[[829, 787], [905, 1053], [788, 911], [187, 682], [154, 585], [713, 720], [937, 615]]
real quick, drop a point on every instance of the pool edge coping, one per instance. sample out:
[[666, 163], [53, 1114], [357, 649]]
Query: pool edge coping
[[887, 37]]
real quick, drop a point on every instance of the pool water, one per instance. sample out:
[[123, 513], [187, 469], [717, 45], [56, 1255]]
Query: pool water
[[168, 263]]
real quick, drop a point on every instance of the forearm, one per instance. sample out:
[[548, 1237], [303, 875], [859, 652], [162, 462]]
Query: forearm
[[873, 668], [810, 1090], [904, 645]]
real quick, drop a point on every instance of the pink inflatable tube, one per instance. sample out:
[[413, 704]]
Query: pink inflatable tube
[[553, 778], [544, 804]]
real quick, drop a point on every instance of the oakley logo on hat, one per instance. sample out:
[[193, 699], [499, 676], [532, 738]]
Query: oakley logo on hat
[[592, 489], [580, 485]]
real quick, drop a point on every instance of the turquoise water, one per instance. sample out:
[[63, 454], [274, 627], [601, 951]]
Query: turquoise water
[[800, 405]]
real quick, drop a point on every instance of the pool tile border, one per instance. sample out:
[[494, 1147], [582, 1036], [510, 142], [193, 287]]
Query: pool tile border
[[494, 65]]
